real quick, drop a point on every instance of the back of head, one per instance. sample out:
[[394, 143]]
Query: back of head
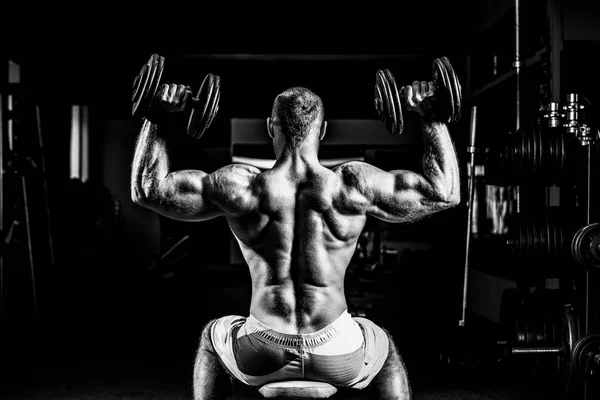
[[296, 110]]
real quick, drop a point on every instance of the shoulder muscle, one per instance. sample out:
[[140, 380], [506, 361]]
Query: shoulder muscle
[[355, 192], [359, 176], [233, 188]]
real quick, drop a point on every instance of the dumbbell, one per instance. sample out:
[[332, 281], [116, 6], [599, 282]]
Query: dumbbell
[[203, 107], [389, 101]]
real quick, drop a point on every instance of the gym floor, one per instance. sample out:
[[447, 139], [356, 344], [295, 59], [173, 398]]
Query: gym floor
[[126, 338]]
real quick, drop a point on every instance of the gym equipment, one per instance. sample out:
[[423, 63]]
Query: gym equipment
[[553, 238], [146, 84], [533, 323], [546, 236], [297, 390], [471, 150], [537, 324], [535, 236], [534, 154], [575, 121], [388, 102], [448, 95], [585, 245], [540, 334], [585, 356], [543, 153], [204, 106]]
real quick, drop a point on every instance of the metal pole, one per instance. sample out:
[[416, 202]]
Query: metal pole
[[588, 219], [588, 211], [3, 114], [471, 151], [517, 63], [45, 184], [517, 67], [29, 242]]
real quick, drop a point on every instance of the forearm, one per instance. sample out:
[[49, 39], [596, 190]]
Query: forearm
[[150, 163], [440, 164]]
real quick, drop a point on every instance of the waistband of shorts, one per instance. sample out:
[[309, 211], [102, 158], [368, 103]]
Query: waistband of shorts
[[313, 339]]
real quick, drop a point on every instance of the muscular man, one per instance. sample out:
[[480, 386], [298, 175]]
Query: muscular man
[[297, 225]]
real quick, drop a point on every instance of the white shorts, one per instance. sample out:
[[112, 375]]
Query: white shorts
[[349, 352]]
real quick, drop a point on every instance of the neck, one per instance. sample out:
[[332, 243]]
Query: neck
[[300, 157]]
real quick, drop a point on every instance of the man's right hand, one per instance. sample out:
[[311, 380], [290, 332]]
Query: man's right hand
[[172, 97], [420, 98]]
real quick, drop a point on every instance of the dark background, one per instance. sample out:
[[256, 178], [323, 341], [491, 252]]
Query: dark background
[[113, 322]]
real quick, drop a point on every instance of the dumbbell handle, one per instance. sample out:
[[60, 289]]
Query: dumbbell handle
[[192, 101], [404, 99], [402, 92]]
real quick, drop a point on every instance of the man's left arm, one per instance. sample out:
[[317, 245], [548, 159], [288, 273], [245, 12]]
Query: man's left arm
[[186, 195]]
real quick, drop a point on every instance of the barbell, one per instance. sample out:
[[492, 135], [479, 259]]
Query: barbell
[[389, 100], [203, 107]]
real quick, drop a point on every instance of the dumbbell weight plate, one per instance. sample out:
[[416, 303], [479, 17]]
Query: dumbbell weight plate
[[456, 91], [535, 236], [550, 137], [585, 345], [570, 333], [388, 103], [530, 159], [530, 244], [448, 90], [146, 84], [560, 239], [215, 107], [207, 106], [584, 245], [538, 152], [555, 156]]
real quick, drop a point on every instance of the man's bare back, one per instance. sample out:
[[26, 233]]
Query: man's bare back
[[298, 241]]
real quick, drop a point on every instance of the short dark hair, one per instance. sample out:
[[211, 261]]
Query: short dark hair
[[295, 109]]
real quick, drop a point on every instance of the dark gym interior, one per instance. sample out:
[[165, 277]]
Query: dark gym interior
[[104, 299]]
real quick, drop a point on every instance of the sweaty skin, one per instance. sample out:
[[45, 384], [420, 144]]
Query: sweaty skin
[[298, 223]]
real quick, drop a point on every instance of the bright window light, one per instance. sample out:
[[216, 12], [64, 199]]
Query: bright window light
[[79, 143]]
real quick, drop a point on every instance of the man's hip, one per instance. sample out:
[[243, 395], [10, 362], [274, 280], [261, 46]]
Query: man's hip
[[347, 353]]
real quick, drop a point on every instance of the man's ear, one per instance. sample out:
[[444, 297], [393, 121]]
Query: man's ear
[[323, 129], [270, 127]]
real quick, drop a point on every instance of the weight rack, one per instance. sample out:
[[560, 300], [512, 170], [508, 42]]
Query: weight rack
[[557, 151]]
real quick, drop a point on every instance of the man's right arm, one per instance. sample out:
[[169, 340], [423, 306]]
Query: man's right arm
[[401, 195]]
